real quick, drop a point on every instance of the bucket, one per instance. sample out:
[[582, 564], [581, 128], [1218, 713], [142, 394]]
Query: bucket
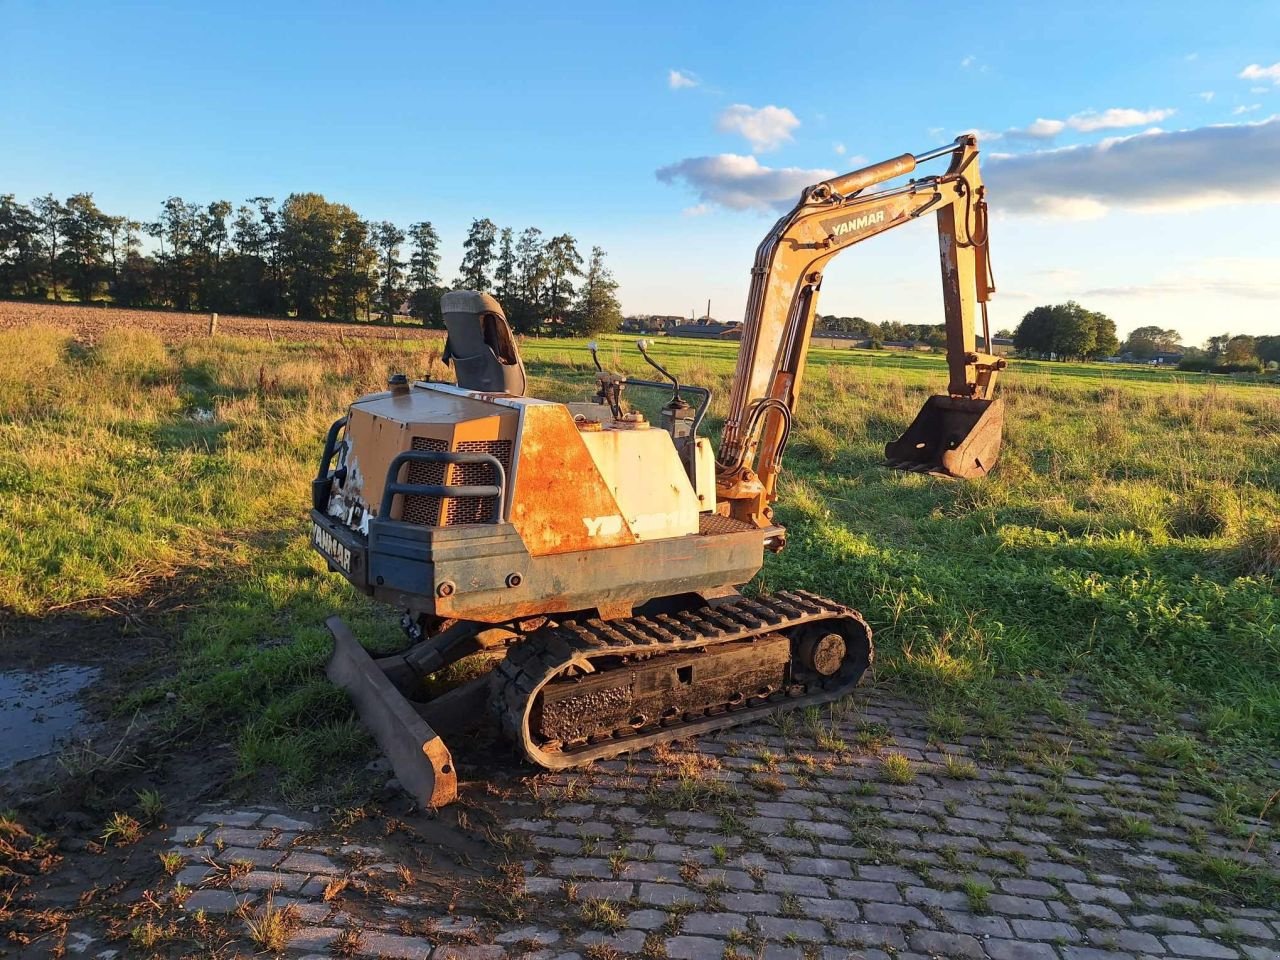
[[953, 437]]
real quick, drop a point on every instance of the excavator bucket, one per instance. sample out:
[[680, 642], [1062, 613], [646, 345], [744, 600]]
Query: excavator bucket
[[418, 756], [953, 437]]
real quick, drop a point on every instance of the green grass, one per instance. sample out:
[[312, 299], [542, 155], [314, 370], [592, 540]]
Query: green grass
[[1130, 538]]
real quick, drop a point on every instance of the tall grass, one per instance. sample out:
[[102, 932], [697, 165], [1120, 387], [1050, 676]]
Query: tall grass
[[1128, 539]]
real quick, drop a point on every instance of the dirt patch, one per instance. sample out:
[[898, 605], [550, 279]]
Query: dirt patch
[[87, 324]]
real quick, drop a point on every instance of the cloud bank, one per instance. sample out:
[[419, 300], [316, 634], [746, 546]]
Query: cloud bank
[[741, 182], [1157, 170]]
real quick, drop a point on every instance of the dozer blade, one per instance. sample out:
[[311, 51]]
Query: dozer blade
[[418, 756], [951, 437]]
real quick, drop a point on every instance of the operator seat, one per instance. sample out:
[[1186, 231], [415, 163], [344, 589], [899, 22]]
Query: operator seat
[[480, 345]]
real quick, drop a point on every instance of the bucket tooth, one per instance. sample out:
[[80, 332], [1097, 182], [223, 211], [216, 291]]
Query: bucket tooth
[[418, 756], [954, 437]]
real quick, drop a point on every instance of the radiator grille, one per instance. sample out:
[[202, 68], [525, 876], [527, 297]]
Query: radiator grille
[[476, 509], [419, 509]]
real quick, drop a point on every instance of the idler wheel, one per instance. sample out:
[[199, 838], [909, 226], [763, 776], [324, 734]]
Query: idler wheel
[[822, 653]]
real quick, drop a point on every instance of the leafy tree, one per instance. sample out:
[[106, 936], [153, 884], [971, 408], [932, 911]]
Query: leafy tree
[[391, 291], [1067, 331], [83, 245], [1239, 349], [311, 235], [354, 279], [597, 309], [1268, 349], [1145, 342], [477, 255], [525, 311], [210, 243], [424, 273], [563, 264], [504, 275], [20, 249], [49, 213]]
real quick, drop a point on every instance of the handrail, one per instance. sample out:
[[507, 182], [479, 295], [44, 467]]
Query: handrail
[[320, 485]]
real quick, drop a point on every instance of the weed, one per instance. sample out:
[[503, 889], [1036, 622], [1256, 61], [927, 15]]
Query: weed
[[602, 915], [978, 894], [271, 927], [121, 830], [151, 805], [172, 862], [959, 768], [897, 768]]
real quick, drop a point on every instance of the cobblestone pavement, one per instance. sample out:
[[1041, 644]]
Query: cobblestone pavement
[[868, 836]]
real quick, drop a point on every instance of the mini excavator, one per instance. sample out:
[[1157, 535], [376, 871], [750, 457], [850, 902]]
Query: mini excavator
[[588, 560]]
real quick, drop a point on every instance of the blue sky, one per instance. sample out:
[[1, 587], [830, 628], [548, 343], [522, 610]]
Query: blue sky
[[562, 115]]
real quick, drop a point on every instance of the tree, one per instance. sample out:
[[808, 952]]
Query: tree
[[424, 273], [84, 245], [563, 264], [1239, 349], [391, 292], [212, 292], [1107, 344], [1268, 349], [505, 275], [531, 273], [49, 214], [1066, 331], [597, 309], [20, 249], [1145, 342], [477, 255], [316, 239]]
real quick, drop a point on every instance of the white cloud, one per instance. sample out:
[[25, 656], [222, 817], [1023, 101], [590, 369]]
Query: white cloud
[[1191, 56], [968, 61], [1259, 89], [839, 148], [697, 210], [741, 183], [1207, 96], [1206, 166], [1260, 287], [1246, 109], [681, 79], [1040, 130], [766, 128], [1256, 71], [1091, 121], [1117, 118]]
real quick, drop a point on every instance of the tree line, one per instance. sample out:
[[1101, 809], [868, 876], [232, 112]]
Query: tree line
[[306, 257]]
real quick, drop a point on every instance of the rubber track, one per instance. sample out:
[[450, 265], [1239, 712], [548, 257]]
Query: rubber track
[[545, 654]]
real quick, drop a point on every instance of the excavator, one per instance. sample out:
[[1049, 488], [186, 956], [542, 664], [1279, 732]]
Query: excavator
[[586, 562]]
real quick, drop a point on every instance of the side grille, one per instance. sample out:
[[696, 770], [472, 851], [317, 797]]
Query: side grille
[[476, 509], [418, 509], [426, 510]]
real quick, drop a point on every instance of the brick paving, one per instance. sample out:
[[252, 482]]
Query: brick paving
[[859, 837]]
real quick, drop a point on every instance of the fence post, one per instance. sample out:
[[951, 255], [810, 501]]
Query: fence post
[[213, 324]]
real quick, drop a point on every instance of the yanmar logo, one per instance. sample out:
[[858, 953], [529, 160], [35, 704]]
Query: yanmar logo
[[842, 228]]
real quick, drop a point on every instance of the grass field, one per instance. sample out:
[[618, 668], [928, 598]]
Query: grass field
[[1128, 546]]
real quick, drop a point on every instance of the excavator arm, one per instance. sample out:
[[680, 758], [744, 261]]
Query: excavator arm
[[954, 434]]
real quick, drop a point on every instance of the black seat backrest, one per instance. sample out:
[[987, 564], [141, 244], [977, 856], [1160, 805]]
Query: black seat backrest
[[480, 345]]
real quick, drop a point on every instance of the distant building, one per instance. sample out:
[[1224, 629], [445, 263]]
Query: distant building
[[708, 331]]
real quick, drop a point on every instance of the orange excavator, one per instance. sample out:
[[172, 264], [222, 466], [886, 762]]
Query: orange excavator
[[588, 562]]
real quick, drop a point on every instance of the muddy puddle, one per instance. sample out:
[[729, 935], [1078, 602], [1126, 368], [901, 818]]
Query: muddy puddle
[[40, 710]]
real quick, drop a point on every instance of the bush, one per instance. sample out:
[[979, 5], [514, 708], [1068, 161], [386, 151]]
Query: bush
[[1244, 366], [1202, 365]]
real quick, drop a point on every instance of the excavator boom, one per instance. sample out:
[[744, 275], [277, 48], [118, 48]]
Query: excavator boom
[[831, 217]]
